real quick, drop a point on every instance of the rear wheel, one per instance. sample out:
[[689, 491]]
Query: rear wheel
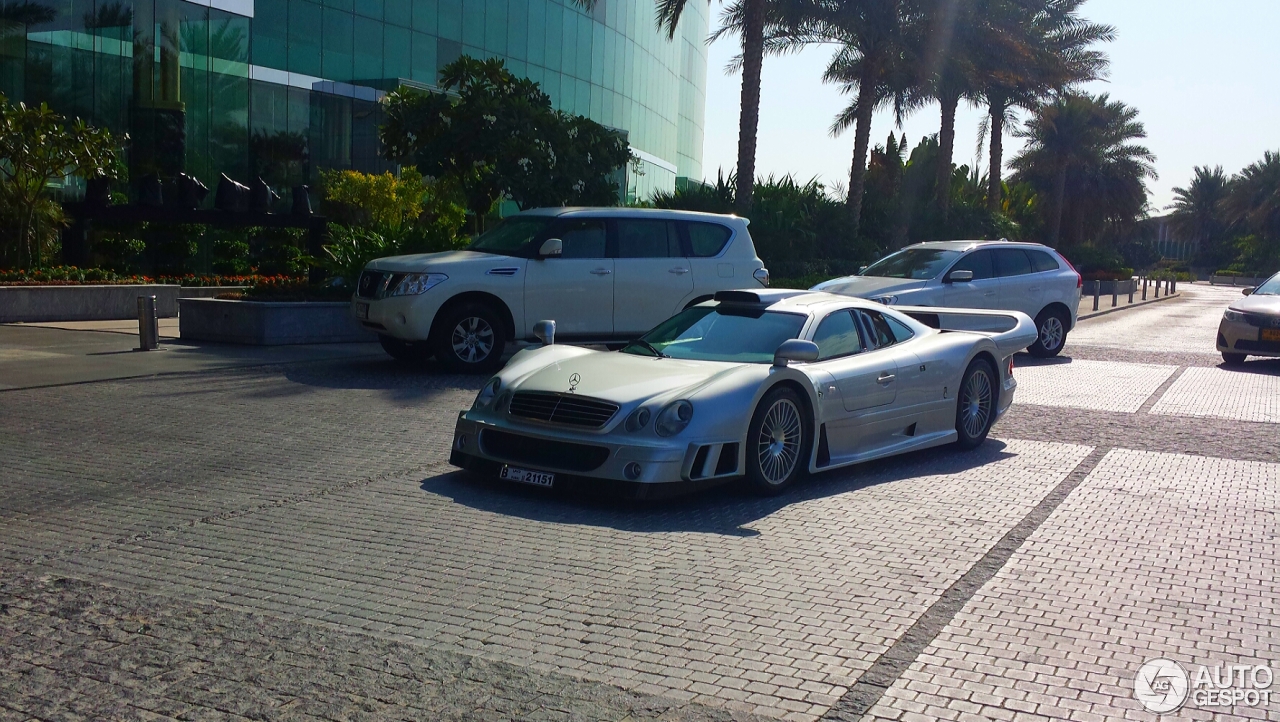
[[1233, 359], [1051, 328], [778, 442], [470, 338], [975, 404]]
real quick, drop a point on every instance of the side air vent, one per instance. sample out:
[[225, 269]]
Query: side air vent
[[714, 460], [502, 271]]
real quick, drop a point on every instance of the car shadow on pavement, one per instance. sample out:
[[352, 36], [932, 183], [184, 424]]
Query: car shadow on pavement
[[726, 510], [405, 381], [1264, 367], [1026, 359]]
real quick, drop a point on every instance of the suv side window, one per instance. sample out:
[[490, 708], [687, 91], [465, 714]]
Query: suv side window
[[979, 262], [837, 336], [1012, 262], [881, 334], [1042, 261], [647, 239], [582, 238], [707, 239]]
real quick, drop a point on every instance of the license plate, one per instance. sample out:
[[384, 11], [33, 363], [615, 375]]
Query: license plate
[[537, 478], [1271, 334], [362, 311]]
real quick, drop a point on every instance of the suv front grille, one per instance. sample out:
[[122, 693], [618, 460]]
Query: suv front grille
[[376, 284], [562, 408]]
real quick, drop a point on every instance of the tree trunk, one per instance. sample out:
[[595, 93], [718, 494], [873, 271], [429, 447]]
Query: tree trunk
[[995, 188], [33, 250], [749, 116], [1059, 199], [861, 140], [946, 149]]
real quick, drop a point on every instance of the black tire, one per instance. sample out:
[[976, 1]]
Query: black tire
[[1051, 334], [470, 338], [1233, 359], [976, 402], [779, 440], [404, 351]]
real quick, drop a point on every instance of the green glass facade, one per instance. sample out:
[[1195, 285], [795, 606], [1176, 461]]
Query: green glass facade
[[282, 88]]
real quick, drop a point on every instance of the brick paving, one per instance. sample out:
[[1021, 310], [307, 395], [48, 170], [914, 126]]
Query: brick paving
[[287, 542]]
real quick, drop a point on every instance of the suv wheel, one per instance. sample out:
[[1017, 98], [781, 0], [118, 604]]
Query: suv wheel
[[1233, 359], [1051, 329], [402, 350], [470, 338]]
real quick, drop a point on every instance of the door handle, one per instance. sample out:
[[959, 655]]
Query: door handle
[[1033, 289], [886, 378], [679, 271], [601, 271]]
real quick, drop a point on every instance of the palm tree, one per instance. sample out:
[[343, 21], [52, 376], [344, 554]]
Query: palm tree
[[1085, 142], [1199, 210], [1254, 199]]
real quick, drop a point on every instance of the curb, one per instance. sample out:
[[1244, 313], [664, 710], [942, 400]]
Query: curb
[[1095, 314]]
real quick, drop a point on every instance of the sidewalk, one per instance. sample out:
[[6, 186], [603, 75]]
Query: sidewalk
[[1122, 302]]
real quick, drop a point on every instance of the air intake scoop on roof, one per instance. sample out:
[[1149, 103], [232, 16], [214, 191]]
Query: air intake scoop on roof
[[763, 296]]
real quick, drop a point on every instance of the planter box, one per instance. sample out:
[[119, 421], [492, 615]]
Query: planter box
[[1234, 281], [83, 303], [261, 323], [1105, 288]]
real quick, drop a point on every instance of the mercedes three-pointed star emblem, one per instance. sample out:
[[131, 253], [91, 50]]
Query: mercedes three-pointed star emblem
[[573, 382]]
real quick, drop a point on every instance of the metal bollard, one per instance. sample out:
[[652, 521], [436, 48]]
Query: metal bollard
[[1115, 289], [1096, 286], [1157, 289], [1132, 283], [1173, 286], [1144, 288], [148, 327]]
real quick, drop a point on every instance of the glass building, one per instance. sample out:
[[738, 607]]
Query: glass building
[[280, 89]]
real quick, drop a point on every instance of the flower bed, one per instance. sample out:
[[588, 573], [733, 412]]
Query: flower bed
[[73, 276]]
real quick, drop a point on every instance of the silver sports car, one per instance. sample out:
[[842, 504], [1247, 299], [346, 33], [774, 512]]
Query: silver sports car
[[767, 384], [1251, 325]]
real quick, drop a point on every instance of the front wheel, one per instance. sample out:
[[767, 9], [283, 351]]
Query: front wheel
[[778, 442], [470, 338], [403, 351], [1051, 329], [1233, 359], [975, 404]]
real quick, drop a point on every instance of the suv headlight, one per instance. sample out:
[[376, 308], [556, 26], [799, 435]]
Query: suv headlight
[[673, 418], [1233, 316], [487, 394], [886, 300], [414, 284]]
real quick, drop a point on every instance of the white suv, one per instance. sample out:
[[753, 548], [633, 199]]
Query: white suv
[[603, 274], [1026, 277]]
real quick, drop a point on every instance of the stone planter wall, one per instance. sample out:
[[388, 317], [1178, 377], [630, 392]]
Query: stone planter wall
[[259, 323], [209, 291], [1234, 281], [83, 303]]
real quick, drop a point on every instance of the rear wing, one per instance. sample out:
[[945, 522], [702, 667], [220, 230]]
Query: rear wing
[[1012, 331]]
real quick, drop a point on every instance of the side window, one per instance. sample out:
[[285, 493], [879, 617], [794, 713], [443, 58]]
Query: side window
[[837, 335], [647, 239], [1042, 261], [879, 329], [707, 239], [1012, 262], [979, 262], [901, 332], [582, 239]]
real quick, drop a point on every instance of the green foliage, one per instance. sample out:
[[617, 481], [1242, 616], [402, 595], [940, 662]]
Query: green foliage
[[415, 215], [37, 147], [349, 250], [498, 138]]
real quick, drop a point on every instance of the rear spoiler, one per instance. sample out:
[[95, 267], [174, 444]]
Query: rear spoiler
[[1012, 331]]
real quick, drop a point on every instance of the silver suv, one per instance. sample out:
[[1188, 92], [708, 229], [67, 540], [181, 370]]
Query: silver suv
[[1027, 277]]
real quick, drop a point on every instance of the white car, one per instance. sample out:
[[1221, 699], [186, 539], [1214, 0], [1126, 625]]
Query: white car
[[996, 275], [605, 274], [1251, 325]]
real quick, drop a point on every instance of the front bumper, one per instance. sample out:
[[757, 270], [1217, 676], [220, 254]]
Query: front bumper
[[1245, 338], [485, 444], [405, 317]]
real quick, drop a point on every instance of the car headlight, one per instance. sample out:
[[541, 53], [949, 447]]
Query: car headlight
[[414, 284], [886, 300], [673, 418], [638, 419], [487, 394], [1233, 316]]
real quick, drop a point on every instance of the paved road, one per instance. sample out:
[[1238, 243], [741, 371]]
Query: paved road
[[287, 542]]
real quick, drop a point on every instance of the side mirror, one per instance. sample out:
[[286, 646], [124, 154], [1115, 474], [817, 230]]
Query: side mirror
[[861, 269], [551, 248], [1246, 291], [545, 331], [795, 350], [959, 277]]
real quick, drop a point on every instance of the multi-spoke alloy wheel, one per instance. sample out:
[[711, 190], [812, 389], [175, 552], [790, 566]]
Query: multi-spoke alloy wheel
[[1053, 334], [975, 404], [472, 339], [779, 439]]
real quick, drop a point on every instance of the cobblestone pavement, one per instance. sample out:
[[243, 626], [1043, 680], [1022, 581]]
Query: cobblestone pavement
[[288, 542]]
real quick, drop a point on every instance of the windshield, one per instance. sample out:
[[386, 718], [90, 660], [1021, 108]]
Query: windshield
[[916, 263], [510, 236], [720, 333], [1271, 287]]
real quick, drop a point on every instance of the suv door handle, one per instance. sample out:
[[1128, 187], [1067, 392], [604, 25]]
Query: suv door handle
[[601, 271], [679, 271], [886, 378]]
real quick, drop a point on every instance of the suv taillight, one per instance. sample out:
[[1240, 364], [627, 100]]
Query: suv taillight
[[1079, 278]]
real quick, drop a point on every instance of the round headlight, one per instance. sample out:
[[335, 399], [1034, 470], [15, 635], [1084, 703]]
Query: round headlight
[[638, 419], [485, 398], [673, 418]]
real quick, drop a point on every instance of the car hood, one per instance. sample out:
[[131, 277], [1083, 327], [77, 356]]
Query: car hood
[[623, 378], [442, 262], [868, 286], [1258, 304]]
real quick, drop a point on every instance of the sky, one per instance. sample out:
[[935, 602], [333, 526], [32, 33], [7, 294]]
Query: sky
[[1204, 76]]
